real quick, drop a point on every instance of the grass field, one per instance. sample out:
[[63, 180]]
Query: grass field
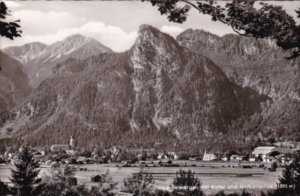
[[213, 175]]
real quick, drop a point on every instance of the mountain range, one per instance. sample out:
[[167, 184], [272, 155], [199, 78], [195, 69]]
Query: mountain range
[[39, 59], [260, 65], [196, 91]]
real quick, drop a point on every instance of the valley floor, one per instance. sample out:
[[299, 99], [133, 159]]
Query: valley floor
[[215, 176]]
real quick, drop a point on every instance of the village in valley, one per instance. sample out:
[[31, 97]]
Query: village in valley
[[150, 98], [278, 154]]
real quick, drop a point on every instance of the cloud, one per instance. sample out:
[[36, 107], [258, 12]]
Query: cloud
[[171, 30], [51, 21], [35, 22], [112, 36], [12, 4]]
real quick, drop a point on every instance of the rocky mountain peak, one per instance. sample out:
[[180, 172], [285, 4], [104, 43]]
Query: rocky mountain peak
[[255, 63], [36, 45], [155, 89], [156, 47], [25, 53], [78, 40], [69, 47], [77, 36], [39, 59], [151, 38]]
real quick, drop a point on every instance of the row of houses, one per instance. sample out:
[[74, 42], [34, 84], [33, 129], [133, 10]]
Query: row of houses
[[266, 154], [260, 153]]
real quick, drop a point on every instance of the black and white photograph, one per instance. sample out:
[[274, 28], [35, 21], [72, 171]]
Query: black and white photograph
[[150, 98]]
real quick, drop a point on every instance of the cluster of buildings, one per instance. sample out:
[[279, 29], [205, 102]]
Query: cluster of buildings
[[280, 152], [268, 154]]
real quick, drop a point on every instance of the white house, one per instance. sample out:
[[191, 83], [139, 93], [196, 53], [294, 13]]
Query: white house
[[264, 151], [209, 156], [162, 156], [252, 159]]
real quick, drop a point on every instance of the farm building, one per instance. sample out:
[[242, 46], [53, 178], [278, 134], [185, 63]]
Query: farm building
[[264, 152], [209, 156], [59, 147]]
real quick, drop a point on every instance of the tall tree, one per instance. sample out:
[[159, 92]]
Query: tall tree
[[289, 181], [264, 21], [25, 177], [8, 29]]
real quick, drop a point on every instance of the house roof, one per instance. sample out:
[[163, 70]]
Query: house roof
[[60, 145], [264, 148]]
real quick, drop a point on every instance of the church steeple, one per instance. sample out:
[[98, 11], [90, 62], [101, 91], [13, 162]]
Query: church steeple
[[72, 142]]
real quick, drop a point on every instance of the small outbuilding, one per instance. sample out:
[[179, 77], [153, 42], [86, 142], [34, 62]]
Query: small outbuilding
[[59, 147], [236, 157]]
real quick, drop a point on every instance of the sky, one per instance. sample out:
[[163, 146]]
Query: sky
[[113, 23]]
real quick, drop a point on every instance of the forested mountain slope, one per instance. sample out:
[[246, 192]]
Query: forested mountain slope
[[156, 90]]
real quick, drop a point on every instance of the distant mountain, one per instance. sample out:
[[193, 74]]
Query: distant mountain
[[39, 59], [157, 92], [74, 46], [25, 53], [14, 86], [258, 64]]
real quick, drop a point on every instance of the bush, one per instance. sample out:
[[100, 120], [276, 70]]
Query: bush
[[96, 178], [273, 167], [140, 183], [244, 193], [186, 183], [162, 193], [4, 189]]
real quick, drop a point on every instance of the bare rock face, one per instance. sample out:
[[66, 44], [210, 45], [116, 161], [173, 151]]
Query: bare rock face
[[155, 89], [172, 84], [39, 59]]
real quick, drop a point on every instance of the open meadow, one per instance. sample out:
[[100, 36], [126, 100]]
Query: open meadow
[[215, 176]]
